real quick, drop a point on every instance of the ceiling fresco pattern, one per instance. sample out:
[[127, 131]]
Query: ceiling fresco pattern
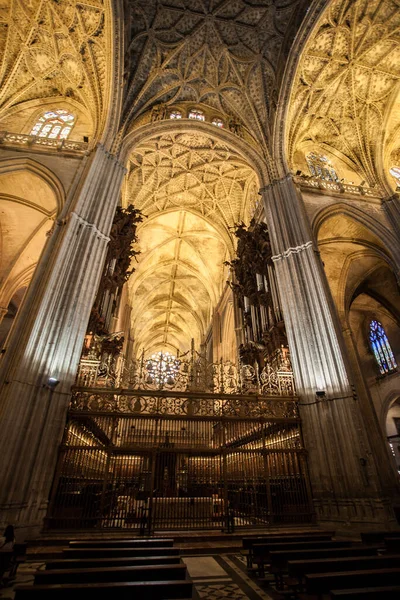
[[347, 83]]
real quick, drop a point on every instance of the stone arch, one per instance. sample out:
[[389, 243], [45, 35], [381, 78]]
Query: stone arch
[[377, 228], [258, 162], [32, 198]]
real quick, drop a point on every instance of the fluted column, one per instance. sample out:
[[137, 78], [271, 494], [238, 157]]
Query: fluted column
[[47, 342], [343, 475]]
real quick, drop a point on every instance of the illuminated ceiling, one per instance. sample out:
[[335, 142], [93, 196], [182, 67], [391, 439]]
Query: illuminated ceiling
[[225, 54], [193, 190], [52, 50], [346, 85]]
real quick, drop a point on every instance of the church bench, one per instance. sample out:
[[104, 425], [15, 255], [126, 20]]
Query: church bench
[[117, 552], [139, 590], [93, 563], [107, 574], [248, 543], [133, 543], [374, 537], [299, 568], [392, 544], [261, 552], [371, 593], [280, 558], [322, 583]]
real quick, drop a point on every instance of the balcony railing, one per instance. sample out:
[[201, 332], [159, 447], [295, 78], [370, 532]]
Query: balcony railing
[[40, 143]]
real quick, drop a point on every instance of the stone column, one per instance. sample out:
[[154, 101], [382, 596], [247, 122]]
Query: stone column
[[343, 475], [47, 343], [392, 208]]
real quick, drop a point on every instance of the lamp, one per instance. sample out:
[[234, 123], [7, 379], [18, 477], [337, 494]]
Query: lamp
[[52, 383]]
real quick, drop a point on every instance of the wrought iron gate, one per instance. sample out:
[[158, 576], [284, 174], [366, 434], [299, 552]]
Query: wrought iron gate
[[150, 461]]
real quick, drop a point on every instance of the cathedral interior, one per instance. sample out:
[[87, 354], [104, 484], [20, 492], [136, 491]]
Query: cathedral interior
[[199, 263]]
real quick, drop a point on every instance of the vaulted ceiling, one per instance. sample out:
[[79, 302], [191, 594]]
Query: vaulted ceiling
[[193, 190], [224, 53], [347, 84], [55, 49]]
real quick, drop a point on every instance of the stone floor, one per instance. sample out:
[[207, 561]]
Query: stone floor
[[215, 576]]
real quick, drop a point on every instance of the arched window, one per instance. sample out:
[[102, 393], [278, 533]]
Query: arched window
[[54, 124], [381, 348], [176, 114], [217, 122], [197, 114], [321, 167]]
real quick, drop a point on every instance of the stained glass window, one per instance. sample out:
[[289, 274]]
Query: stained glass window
[[197, 114], [321, 167], [54, 125], [176, 114], [217, 122], [381, 348]]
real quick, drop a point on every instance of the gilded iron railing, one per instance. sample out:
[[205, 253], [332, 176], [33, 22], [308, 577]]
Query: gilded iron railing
[[150, 403], [187, 373]]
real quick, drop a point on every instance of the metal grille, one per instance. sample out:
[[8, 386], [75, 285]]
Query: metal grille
[[167, 468]]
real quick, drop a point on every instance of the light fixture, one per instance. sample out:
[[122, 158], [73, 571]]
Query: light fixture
[[52, 383], [320, 394]]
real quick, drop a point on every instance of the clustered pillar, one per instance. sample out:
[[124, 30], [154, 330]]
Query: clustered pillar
[[47, 341], [343, 472]]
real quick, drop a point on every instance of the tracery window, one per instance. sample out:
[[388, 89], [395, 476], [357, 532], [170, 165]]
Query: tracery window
[[381, 348], [217, 122], [321, 167], [195, 113], [176, 114], [54, 124]]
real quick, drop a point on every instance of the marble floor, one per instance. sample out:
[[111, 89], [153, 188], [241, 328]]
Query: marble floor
[[223, 576]]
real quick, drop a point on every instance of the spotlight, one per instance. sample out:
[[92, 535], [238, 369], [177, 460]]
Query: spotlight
[[362, 183], [52, 383], [298, 173], [321, 394]]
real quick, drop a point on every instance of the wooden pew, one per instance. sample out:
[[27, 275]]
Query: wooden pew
[[248, 543], [299, 568], [374, 537], [117, 552], [322, 583], [372, 593], [261, 552], [133, 543], [392, 544], [279, 559], [139, 590], [97, 563], [108, 574]]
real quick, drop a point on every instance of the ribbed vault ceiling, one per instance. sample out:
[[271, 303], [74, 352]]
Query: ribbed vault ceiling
[[347, 82], [224, 53], [193, 190]]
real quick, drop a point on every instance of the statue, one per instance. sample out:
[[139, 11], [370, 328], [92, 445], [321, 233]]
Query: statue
[[158, 112]]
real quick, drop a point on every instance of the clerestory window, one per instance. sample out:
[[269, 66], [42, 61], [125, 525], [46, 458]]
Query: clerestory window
[[195, 113], [321, 167], [54, 125], [381, 348], [176, 114], [217, 122]]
